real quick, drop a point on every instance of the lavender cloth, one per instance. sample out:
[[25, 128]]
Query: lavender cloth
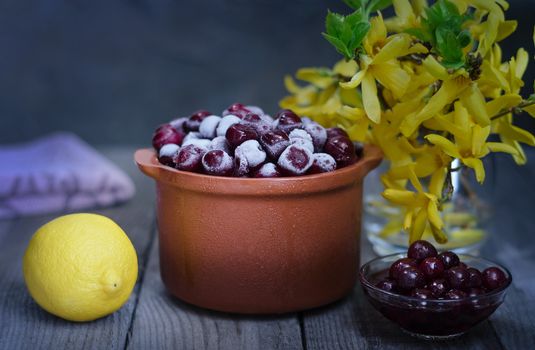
[[58, 173]]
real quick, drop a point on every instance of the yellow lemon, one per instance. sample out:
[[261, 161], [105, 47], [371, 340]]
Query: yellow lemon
[[80, 267]]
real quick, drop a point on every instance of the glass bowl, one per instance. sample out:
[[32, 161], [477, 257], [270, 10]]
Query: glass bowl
[[431, 319]]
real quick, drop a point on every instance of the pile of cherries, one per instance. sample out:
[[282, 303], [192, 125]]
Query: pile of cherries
[[246, 142], [425, 274]]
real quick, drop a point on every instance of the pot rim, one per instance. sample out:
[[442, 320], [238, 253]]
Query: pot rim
[[148, 163]]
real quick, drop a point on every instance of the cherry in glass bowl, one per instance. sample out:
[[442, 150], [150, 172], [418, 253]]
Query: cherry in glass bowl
[[431, 318]]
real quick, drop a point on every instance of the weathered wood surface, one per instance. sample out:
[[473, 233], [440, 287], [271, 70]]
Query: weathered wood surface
[[152, 319]]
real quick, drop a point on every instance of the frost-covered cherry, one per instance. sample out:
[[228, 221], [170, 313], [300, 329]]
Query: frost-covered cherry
[[255, 109], [178, 123], [191, 135], [165, 134], [256, 122], [237, 109], [295, 160], [341, 149], [318, 134], [194, 121], [303, 143], [323, 163], [189, 158], [287, 120], [267, 170], [332, 132], [208, 126], [241, 167], [239, 133], [301, 138], [220, 142], [202, 143], [167, 154], [252, 151], [306, 120], [218, 162], [275, 142], [225, 123]]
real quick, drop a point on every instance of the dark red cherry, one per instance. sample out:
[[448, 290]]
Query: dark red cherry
[[332, 132], [475, 278], [410, 278], [457, 277], [323, 163], [218, 162], [274, 143], [256, 122], [236, 109], [341, 149], [421, 293], [421, 249], [239, 133], [494, 278], [189, 158], [287, 120], [166, 134], [438, 287], [455, 294], [388, 285], [318, 134], [473, 292], [399, 265], [449, 259], [194, 121], [432, 267], [295, 160]]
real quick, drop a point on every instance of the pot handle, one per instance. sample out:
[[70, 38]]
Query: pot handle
[[144, 159]]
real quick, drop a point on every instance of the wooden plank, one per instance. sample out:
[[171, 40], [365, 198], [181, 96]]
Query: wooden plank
[[23, 324], [164, 322]]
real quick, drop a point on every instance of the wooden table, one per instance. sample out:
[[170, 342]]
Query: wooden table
[[151, 319]]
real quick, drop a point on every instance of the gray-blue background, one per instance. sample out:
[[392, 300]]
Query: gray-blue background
[[112, 70]]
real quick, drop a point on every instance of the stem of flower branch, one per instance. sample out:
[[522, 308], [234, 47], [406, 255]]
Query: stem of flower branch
[[523, 104]]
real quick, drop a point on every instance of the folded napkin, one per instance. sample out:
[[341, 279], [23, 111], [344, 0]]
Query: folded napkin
[[58, 173]]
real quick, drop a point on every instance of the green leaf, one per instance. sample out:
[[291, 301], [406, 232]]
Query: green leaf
[[356, 4], [419, 33], [378, 5], [355, 17], [339, 45], [334, 24], [464, 38], [359, 33]]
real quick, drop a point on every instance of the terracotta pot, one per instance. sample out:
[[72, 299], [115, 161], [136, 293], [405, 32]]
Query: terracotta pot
[[259, 245]]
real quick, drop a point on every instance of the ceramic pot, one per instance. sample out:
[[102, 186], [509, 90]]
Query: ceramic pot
[[259, 245]]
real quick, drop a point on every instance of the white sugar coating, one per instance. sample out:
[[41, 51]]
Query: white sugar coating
[[252, 151], [267, 118], [186, 161], [306, 120], [268, 169], [201, 143], [241, 167], [225, 123], [208, 126], [220, 142], [191, 136], [325, 161], [255, 109], [318, 133], [178, 123], [227, 162], [308, 144], [287, 159], [169, 150], [299, 134]]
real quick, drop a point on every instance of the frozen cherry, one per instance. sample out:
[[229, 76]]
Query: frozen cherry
[[301, 138], [189, 158], [194, 121], [257, 122], [455, 294], [323, 163], [274, 142], [178, 123], [241, 167], [457, 277], [493, 278], [400, 265], [438, 287], [421, 293], [473, 292], [410, 278], [421, 249], [332, 132], [295, 160], [449, 259], [432, 267], [236, 109], [167, 154], [203, 143], [267, 170], [341, 149], [287, 120], [255, 109], [252, 152], [166, 134], [239, 133], [208, 126], [475, 278], [388, 285], [218, 162], [318, 133], [225, 123], [220, 142]]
